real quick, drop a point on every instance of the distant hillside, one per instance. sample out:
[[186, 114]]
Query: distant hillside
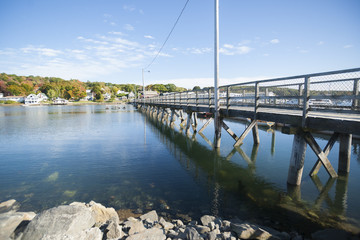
[[13, 85]]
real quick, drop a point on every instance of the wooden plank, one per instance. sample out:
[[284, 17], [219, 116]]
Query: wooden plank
[[319, 153], [205, 125], [245, 133], [326, 151], [229, 131]]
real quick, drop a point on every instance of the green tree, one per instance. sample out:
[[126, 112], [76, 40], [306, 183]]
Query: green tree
[[51, 93], [196, 88]]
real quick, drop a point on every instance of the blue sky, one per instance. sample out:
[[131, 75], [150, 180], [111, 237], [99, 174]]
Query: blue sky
[[112, 40]]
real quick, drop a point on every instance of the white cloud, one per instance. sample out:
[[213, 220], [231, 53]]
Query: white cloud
[[275, 41], [41, 51], [129, 27], [348, 46], [149, 37], [129, 8], [117, 33], [320, 43], [198, 50], [228, 46], [235, 50]]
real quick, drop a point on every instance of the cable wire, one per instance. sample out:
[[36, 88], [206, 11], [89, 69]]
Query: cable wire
[[167, 38]]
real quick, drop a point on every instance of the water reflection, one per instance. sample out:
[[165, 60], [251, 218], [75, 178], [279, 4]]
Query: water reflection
[[233, 185]]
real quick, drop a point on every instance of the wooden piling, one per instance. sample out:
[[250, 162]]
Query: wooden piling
[[297, 159], [344, 153]]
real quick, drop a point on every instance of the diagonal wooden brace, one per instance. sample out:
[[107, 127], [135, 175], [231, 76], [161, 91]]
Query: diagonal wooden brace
[[229, 131], [205, 125], [319, 153], [245, 133], [326, 151]]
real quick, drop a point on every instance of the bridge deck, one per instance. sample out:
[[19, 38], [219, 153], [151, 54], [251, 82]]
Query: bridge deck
[[328, 121]]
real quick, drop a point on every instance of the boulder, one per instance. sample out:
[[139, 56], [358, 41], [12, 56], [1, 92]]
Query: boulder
[[88, 234], [250, 231], [206, 220], [114, 231], [103, 214], [10, 221], [9, 205], [192, 234], [166, 225], [62, 220], [134, 227], [151, 216], [202, 229], [149, 234]]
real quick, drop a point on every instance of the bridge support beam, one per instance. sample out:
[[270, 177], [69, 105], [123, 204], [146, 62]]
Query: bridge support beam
[[297, 159], [344, 153], [252, 126], [326, 151]]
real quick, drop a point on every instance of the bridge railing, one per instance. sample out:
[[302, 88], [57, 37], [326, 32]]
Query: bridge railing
[[336, 91]]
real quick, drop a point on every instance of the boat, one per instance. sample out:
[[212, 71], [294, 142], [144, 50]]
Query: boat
[[204, 115], [60, 101]]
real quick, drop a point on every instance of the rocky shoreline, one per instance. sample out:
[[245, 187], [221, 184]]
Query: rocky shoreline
[[93, 221]]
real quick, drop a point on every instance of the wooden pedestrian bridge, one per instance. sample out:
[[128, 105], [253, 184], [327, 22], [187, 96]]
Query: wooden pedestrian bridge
[[326, 101]]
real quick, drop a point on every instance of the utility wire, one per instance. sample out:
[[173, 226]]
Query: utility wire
[[167, 38]]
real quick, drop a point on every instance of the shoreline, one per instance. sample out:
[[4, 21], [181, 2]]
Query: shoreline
[[94, 221]]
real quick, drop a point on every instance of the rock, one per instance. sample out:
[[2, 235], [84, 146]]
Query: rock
[[330, 234], [150, 215], [192, 234], [114, 231], [149, 234], [226, 235], [178, 223], [89, 234], [9, 205], [166, 225], [206, 220], [225, 225], [202, 229], [10, 221], [136, 227], [250, 231], [62, 220], [103, 214], [172, 234]]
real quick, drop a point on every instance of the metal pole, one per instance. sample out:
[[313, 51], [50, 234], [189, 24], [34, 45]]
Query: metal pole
[[142, 70], [216, 78]]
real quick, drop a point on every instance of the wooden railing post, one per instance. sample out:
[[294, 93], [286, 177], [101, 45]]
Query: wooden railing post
[[197, 99], [306, 97], [355, 103], [267, 101], [227, 99], [256, 100], [209, 102], [187, 98]]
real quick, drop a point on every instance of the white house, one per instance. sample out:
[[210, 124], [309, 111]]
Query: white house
[[35, 99], [107, 96], [32, 99], [60, 101], [1, 95], [42, 97], [12, 98], [131, 95]]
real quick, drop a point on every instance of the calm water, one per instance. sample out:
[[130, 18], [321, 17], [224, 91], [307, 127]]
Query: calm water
[[52, 155]]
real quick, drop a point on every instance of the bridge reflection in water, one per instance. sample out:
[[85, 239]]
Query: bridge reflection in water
[[236, 189]]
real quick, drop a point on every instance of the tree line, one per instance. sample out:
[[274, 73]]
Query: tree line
[[13, 85]]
